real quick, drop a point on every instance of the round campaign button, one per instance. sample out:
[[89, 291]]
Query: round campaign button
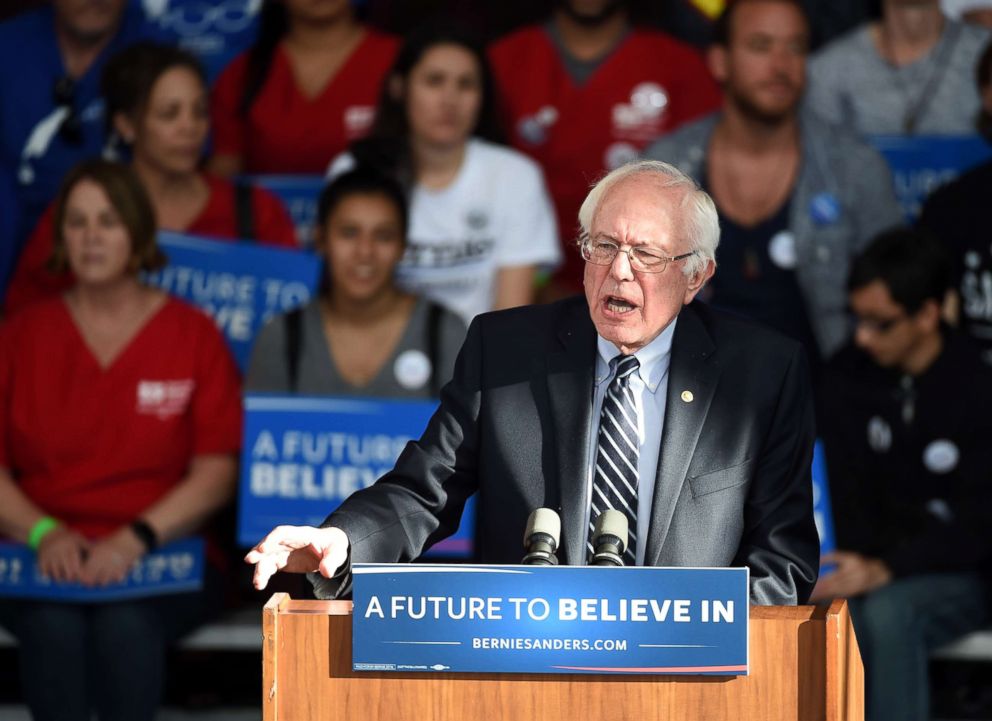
[[782, 250], [412, 369], [619, 154], [941, 456], [824, 209]]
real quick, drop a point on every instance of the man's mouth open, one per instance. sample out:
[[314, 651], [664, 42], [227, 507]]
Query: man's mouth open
[[619, 305]]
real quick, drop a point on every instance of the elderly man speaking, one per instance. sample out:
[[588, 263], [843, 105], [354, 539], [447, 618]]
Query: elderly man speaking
[[695, 425]]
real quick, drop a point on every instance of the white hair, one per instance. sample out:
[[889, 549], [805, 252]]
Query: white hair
[[699, 220]]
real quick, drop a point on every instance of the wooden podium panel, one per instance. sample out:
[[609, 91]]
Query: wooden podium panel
[[804, 665]]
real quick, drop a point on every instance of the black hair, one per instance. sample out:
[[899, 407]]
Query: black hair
[[724, 24], [912, 264], [273, 24], [130, 75], [388, 145], [983, 76], [363, 180]]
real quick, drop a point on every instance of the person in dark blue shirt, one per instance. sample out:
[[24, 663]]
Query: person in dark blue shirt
[[906, 429], [51, 114]]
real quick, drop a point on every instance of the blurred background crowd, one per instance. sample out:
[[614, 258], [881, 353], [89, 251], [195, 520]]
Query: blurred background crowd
[[447, 146]]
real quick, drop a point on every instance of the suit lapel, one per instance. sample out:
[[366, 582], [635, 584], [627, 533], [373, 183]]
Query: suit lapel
[[693, 369], [570, 376]]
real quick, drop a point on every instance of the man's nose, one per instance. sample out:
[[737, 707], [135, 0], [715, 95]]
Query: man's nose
[[620, 268]]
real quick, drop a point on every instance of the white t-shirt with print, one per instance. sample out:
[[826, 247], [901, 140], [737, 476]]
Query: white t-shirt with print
[[496, 213]]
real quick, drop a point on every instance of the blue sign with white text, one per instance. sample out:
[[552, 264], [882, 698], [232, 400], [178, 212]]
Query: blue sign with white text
[[174, 568], [550, 619], [299, 194], [215, 31], [921, 164], [301, 456], [240, 285]]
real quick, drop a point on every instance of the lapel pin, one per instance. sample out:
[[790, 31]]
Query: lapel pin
[[687, 396]]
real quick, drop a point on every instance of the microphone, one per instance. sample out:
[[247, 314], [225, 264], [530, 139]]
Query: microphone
[[609, 539], [541, 538]]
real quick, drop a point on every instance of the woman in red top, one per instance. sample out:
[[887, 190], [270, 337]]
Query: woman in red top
[[157, 104], [306, 88], [119, 425]]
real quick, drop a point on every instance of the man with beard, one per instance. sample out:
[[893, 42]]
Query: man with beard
[[51, 113], [585, 92], [796, 198]]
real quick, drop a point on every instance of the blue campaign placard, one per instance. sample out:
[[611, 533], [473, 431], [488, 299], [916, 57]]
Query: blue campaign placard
[[299, 193], [240, 285], [822, 513], [174, 568], [301, 456], [550, 619], [920, 164]]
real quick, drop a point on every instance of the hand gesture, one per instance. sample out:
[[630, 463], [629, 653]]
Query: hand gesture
[[110, 558], [298, 549], [61, 554], [855, 575]]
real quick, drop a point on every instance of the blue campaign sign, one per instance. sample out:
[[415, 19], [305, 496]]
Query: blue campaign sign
[[213, 30], [920, 164], [240, 285], [822, 514], [302, 456], [174, 568], [299, 194], [551, 619]]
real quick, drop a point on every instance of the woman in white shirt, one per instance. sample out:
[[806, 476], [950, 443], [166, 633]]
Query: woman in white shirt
[[482, 223]]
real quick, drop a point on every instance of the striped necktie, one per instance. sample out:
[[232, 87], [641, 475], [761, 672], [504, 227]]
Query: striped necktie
[[615, 481]]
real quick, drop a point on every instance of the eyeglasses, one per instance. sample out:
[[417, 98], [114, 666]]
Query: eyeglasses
[[64, 96], [600, 251]]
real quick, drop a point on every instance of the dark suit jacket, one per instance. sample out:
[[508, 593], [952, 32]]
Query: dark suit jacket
[[733, 485]]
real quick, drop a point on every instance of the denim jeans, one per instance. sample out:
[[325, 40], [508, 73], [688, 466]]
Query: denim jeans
[[899, 624], [109, 657]]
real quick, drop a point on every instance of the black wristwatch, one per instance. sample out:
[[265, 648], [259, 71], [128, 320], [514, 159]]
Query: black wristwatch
[[145, 534]]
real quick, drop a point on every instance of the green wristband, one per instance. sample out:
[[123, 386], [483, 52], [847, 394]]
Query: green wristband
[[44, 526]]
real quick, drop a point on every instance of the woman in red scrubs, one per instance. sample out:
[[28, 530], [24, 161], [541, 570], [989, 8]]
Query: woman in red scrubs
[[305, 89], [119, 428], [157, 104]]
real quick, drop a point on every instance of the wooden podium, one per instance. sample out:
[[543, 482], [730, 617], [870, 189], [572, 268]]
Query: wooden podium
[[804, 666]]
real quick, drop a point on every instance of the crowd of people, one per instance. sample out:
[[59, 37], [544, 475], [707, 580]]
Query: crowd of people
[[455, 170]]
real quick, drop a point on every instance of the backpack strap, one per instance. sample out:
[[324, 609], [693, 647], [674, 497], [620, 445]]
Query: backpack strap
[[434, 312], [293, 321], [244, 212]]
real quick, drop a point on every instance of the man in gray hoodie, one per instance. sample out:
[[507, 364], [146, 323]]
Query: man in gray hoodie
[[797, 198]]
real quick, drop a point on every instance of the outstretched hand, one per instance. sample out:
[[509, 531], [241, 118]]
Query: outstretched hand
[[298, 549]]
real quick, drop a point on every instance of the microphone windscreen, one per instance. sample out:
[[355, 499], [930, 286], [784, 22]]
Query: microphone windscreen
[[611, 523], [546, 521]]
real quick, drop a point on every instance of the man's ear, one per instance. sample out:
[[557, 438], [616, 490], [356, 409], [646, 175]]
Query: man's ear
[[716, 60], [929, 315], [124, 127], [697, 280]]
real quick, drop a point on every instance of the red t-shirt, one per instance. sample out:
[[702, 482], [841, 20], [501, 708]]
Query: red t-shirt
[[95, 446], [287, 132], [647, 87], [32, 280]]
